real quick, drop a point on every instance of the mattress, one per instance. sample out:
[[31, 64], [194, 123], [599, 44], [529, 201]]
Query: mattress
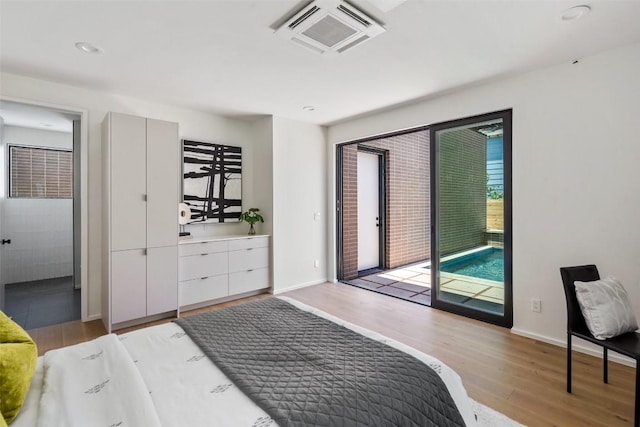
[[187, 389]]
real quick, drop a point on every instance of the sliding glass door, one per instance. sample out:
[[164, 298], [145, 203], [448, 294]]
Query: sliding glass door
[[471, 217]]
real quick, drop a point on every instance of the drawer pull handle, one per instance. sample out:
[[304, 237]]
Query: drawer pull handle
[[202, 278], [204, 254], [249, 271], [249, 249]]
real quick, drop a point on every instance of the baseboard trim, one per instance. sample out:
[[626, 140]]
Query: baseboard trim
[[293, 288], [143, 320], [92, 318], [595, 351]]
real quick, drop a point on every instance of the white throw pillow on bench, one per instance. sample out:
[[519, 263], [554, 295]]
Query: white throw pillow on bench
[[606, 308]]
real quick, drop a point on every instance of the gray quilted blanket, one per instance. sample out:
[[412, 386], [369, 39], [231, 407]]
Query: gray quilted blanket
[[304, 370]]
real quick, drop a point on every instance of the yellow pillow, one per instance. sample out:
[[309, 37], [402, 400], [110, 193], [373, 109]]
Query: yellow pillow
[[18, 355]]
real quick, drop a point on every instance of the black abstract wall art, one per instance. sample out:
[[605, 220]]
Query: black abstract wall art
[[212, 181]]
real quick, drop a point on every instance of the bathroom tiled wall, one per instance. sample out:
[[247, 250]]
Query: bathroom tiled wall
[[41, 233]]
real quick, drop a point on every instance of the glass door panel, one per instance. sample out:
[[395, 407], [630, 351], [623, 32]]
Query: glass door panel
[[471, 250]]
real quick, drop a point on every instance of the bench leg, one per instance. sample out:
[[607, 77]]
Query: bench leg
[[636, 421], [605, 367], [568, 363]]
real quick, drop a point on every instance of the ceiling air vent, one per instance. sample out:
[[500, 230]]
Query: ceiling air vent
[[329, 26]]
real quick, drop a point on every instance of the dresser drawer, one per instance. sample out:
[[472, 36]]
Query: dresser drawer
[[200, 290], [249, 242], [246, 281], [187, 249], [205, 265], [248, 259]]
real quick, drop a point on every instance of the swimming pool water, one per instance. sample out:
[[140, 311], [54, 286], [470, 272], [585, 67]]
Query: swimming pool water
[[487, 264]]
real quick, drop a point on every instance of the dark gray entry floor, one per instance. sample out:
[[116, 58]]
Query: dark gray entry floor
[[411, 283], [42, 302]]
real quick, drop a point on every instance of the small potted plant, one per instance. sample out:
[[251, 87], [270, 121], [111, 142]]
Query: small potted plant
[[252, 216]]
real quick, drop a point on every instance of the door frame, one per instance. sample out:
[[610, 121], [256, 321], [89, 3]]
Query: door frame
[[84, 196], [506, 319], [382, 201]]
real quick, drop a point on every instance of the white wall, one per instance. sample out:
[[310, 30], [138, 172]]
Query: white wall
[[2, 163], [2, 195], [576, 192], [41, 230], [193, 125], [37, 137], [299, 193], [263, 173]]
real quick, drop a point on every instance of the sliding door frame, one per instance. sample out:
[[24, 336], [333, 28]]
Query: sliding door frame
[[339, 214], [506, 319]]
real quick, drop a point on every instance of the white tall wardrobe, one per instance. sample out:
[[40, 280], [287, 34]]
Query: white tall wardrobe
[[140, 218]]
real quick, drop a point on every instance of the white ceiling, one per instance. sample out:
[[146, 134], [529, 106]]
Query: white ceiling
[[222, 56]]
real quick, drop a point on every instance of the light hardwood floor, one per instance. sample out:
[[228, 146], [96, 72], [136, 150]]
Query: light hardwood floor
[[520, 377]]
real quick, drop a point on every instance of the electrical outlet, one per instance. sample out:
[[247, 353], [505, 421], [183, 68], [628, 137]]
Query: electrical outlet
[[316, 263], [536, 305]]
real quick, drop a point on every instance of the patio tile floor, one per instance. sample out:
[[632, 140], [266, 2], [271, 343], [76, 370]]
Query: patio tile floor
[[365, 284], [416, 289], [410, 283], [396, 292], [379, 279], [413, 283]]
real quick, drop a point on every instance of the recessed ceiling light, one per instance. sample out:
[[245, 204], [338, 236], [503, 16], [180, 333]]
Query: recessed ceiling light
[[575, 12], [308, 108], [88, 47]]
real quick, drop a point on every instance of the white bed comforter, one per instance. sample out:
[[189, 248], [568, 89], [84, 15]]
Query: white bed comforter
[[158, 376], [94, 384]]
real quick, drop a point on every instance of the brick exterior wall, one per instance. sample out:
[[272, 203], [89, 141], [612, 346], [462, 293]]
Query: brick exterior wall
[[350, 211], [407, 182], [407, 200], [463, 186], [463, 202]]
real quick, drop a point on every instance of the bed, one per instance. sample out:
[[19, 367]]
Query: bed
[[269, 362]]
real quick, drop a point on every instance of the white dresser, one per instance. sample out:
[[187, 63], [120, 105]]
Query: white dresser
[[221, 268]]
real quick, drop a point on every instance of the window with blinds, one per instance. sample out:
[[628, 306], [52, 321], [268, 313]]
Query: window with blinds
[[40, 173]]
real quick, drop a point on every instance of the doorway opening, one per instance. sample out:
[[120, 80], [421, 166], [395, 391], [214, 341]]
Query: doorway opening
[[371, 213], [383, 214], [40, 214]]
